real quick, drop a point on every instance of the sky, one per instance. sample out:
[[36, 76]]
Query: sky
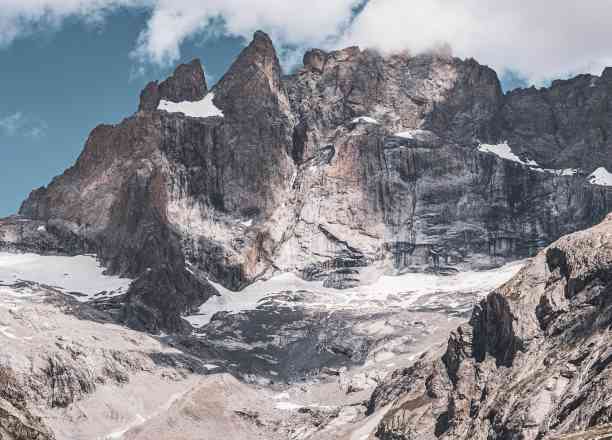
[[69, 65]]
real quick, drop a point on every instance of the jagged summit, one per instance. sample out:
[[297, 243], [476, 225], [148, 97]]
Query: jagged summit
[[187, 83], [253, 82]]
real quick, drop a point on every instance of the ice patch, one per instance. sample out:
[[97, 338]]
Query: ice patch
[[600, 177], [365, 119], [82, 276], [197, 109]]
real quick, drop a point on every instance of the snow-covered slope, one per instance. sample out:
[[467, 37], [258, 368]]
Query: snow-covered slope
[[80, 276], [388, 291]]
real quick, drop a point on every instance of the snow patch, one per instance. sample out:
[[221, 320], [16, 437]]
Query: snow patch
[[41, 229], [210, 367], [504, 151], [81, 276], [600, 177], [248, 223], [196, 109], [561, 172], [409, 134], [365, 119], [288, 406]]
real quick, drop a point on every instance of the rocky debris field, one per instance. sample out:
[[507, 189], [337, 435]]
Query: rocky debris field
[[532, 363], [286, 359]]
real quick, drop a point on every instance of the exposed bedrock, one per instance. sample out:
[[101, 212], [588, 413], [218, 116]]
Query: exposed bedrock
[[354, 165], [532, 363]]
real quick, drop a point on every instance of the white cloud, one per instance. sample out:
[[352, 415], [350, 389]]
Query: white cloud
[[540, 39], [12, 123], [288, 22], [17, 124], [23, 17]]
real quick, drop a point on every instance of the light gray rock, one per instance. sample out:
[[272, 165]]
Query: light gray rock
[[533, 362]]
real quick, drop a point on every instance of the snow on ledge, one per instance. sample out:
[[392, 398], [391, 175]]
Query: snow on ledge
[[196, 109], [601, 177], [410, 134], [504, 151], [365, 119]]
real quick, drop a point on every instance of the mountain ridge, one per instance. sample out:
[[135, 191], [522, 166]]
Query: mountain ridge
[[355, 161]]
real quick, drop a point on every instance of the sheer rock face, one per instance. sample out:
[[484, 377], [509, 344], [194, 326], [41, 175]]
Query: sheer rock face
[[533, 362], [567, 125], [356, 160]]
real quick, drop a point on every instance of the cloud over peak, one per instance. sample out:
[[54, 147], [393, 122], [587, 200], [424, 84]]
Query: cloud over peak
[[543, 39]]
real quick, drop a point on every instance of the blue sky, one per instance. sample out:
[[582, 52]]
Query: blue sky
[[58, 85]]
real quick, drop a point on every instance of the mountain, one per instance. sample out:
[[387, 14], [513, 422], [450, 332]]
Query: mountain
[[355, 161], [312, 233]]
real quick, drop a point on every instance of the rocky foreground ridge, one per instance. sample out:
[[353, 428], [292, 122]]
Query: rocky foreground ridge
[[532, 363], [354, 161]]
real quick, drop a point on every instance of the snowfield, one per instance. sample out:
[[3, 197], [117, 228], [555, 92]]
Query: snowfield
[[80, 276], [197, 109], [401, 291]]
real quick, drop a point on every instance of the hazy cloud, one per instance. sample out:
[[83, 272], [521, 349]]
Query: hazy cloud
[[541, 39], [11, 124], [17, 124]]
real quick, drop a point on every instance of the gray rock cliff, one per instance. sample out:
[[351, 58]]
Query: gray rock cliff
[[354, 161]]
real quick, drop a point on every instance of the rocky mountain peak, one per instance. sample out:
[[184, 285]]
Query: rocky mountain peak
[[253, 81], [187, 83], [315, 59]]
